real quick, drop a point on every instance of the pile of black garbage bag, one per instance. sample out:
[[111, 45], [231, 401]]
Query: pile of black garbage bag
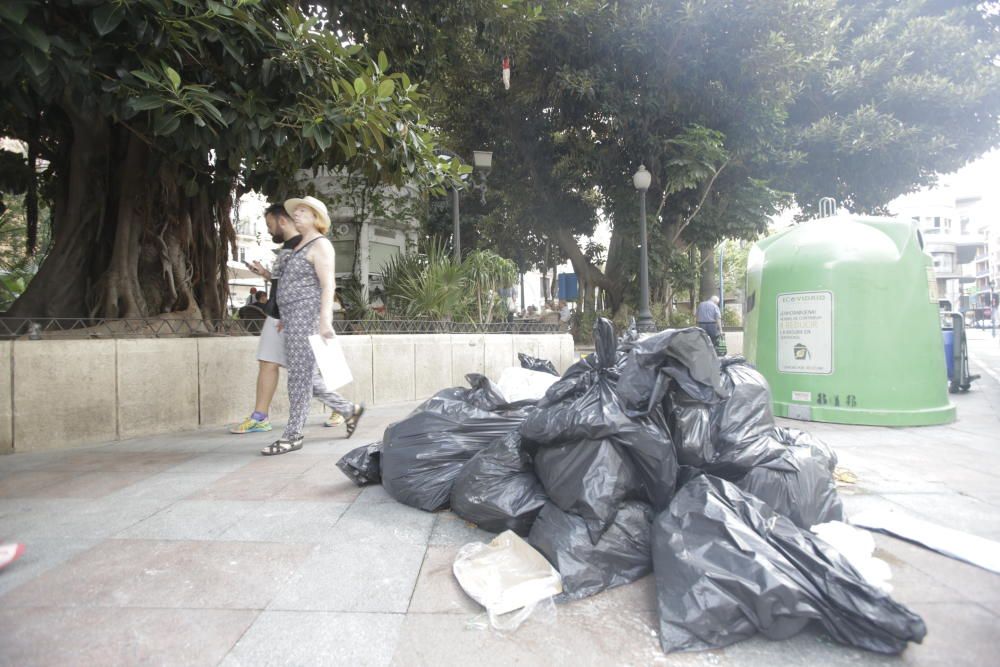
[[649, 455]]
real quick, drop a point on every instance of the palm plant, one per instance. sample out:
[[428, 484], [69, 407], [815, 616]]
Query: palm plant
[[428, 285], [356, 301]]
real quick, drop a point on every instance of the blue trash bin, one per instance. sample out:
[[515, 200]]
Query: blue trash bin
[[949, 351]]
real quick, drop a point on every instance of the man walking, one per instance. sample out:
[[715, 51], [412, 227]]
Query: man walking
[[710, 318]]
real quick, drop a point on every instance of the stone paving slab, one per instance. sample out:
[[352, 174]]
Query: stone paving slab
[[317, 639], [191, 548], [119, 636], [166, 574], [190, 520]]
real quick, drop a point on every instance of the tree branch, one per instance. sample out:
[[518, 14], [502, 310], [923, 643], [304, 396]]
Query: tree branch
[[701, 202]]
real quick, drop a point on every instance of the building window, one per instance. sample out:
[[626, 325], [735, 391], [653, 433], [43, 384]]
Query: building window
[[943, 262], [964, 223], [242, 254]]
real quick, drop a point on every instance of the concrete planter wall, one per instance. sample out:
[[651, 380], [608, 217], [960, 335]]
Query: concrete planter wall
[[62, 393]]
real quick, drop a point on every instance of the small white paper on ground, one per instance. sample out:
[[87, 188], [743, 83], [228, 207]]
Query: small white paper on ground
[[331, 362], [506, 575], [954, 543]]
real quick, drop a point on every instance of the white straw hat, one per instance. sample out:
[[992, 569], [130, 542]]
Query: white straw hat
[[318, 207]]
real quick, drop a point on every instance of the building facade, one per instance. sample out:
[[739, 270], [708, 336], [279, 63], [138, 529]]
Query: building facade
[[952, 235]]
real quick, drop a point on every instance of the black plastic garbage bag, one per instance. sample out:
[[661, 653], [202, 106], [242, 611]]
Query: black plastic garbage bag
[[497, 489], [621, 556], [691, 427], [536, 364], [727, 567], [482, 393], [799, 438], [423, 453], [583, 404], [685, 356], [799, 484], [745, 414], [589, 478], [648, 444], [731, 437], [362, 464]]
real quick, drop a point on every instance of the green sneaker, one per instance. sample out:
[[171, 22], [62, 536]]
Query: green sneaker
[[251, 425]]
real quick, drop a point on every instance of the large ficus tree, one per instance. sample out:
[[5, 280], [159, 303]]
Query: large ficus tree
[[732, 105], [150, 116]]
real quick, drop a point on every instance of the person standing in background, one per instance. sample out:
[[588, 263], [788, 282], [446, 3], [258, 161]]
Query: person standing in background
[[709, 318]]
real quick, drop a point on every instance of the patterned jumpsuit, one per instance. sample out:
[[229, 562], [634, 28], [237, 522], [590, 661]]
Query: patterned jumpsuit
[[299, 304]]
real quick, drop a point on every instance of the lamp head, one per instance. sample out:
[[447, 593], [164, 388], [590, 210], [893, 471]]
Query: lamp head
[[482, 160], [641, 178]]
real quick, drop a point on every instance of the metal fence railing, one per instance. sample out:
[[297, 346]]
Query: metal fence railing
[[165, 327]]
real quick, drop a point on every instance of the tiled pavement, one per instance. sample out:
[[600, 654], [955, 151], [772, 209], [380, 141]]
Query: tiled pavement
[[191, 549]]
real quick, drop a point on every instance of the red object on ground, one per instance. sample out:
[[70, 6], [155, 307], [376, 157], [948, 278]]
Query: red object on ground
[[10, 553]]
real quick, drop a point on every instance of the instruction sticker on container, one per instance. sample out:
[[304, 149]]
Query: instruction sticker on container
[[805, 332]]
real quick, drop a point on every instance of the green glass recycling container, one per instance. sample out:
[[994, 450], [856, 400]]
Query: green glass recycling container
[[841, 317]]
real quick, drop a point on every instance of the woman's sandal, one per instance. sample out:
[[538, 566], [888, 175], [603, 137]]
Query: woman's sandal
[[282, 446], [352, 421]]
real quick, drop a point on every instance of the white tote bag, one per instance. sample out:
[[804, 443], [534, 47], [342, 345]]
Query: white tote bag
[[331, 362]]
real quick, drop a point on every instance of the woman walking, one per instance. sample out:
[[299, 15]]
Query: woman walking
[[305, 300]]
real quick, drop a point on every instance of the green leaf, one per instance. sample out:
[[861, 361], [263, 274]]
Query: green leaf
[[218, 8], [145, 103], [213, 112], [35, 37], [107, 17], [145, 76], [383, 61], [166, 124], [36, 61], [231, 49], [360, 86], [385, 88], [175, 78], [15, 12], [323, 137], [265, 70]]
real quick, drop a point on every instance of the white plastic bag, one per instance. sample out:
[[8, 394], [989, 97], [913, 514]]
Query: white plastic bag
[[518, 384], [505, 576], [858, 547], [331, 362]]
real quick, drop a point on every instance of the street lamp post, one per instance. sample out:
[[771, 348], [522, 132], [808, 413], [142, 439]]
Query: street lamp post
[[456, 228], [722, 280], [993, 312], [645, 322], [482, 162]]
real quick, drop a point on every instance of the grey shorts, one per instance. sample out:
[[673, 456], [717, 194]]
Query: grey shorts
[[272, 343]]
